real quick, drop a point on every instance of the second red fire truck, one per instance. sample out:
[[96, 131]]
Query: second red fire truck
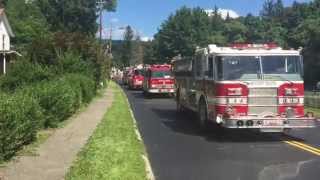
[[136, 79], [256, 86], [158, 79]]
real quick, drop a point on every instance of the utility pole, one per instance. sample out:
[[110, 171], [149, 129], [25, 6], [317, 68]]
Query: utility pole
[[100, 4], [110, 48]]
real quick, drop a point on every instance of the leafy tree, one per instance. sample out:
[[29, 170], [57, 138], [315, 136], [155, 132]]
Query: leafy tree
[[235, 31], [28, 24], [278, 9], [109, 5], [149, 56], [178, 34], [268, 9], [74, 15], [127, 46], [255, 28], [137, 51], [70, 15]]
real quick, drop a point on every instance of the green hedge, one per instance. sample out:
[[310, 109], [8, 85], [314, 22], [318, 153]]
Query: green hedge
[[86, 84], [24, 73], [61, 97], [42, 105], [58, 101], [20, 119]]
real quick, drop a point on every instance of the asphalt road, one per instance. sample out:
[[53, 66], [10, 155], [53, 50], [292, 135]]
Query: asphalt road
[[179, 151]]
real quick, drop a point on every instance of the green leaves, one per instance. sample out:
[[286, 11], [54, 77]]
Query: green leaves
[[182, 33], [109, 5], [27, 22], [20, 119]]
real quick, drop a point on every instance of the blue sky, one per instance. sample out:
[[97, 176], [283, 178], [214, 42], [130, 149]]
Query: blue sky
[[146, 16]]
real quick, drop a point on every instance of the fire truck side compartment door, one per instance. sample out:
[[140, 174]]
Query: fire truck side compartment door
[[191, 84]]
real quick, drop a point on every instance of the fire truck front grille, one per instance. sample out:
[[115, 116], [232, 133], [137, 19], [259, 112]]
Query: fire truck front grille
[[263, 91], [259, 110], [164, 86], [263, 100]]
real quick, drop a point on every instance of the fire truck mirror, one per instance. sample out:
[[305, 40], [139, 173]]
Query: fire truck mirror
[[318, 85]]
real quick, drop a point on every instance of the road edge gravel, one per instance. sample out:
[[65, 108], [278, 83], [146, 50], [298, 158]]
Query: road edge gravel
[[149, 171]]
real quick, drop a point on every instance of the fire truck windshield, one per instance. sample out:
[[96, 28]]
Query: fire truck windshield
[[161, 74], [259, 67]]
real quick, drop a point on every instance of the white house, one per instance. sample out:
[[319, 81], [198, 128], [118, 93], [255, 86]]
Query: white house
[[5, 46]]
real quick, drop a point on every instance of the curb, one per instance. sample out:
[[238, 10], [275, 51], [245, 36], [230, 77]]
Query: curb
[[150, 174]]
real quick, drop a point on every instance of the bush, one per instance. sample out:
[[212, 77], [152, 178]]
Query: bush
[[58, 100], [40, 105], [24, 73], [61, 97], [86, 84], [89, 50], [20, 118], [71, 62]]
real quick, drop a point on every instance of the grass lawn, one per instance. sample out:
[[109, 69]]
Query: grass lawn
[[113, 151]]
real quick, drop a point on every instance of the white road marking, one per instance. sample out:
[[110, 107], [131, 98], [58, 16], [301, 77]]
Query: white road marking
[[148, 168]]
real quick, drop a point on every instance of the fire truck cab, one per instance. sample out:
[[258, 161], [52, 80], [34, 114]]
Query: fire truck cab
[[254, 86], [158, 80], [136, 79]]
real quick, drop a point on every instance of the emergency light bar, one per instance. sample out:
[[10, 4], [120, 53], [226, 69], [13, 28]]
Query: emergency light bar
[[254, 46], [161, 66]]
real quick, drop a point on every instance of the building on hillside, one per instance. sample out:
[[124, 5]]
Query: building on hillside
[[5, 47]]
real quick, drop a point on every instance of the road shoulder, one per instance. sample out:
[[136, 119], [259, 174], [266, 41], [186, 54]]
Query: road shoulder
[[114, 151]]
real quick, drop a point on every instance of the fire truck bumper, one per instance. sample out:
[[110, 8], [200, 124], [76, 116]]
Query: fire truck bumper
[[160, 91], [137, 87], [269, 123]]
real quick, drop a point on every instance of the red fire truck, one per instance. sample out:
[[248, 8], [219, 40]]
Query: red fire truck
[[158, 80], [136, 80], [256, 86]]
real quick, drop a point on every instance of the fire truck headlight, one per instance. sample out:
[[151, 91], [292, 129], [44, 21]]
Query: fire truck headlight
[[290, 91], [153, 85], [234, 91]]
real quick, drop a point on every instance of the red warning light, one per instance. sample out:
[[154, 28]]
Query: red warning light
[[253, 46]]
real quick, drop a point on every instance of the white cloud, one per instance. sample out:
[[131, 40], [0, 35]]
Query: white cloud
[[145, 38], [118, 33], [114, 20], [223, 13]]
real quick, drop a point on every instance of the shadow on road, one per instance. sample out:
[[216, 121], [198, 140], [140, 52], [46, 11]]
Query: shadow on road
[[186, 123], [139, 95]]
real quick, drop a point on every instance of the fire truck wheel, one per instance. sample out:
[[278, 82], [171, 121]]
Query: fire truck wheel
[[180, 108], [202, 115]]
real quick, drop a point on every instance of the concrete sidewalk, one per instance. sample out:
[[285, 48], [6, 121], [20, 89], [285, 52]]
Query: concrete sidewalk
[[60, 150]]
